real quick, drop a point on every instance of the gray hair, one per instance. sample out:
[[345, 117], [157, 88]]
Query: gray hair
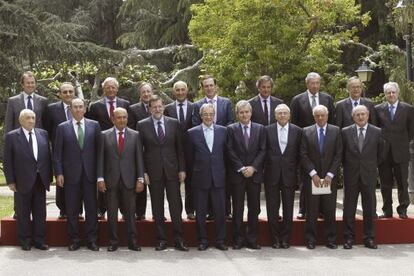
[[26, 112], [206, 105], [281, 107], [109, 79], [390, 85], [312, 75], [180, 82], [120, 110], [320, 108], [352, 79], [359, 108], [241, 104]]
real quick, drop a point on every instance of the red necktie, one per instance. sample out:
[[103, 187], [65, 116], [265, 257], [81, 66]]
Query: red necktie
[[111, 109], [120, 142]]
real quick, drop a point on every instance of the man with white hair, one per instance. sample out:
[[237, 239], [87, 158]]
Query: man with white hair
[[28, 171], [301, 115], [395, 118], [321, 154]]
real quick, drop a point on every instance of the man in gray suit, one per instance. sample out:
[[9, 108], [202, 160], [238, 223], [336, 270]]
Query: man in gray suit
[[121, 175], [321, 154], [27, 99], [362, 147]]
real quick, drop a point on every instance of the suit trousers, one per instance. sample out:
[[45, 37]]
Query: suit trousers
[[189, 197], [172, 188], [73, 194], [218, 200], [141, 203], [102, 203], [60, 201], [239, 190], [279, 230], [351, 193], [33, 202], [313, 204], [388, 171], [118, 195]]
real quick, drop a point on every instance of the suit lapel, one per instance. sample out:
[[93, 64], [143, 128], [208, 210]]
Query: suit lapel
[[21, 102], [23, 141], [354, 136], [348, 106], [201, 132], [398, 111], [113, 143], [315, 140], [154, 132], [306, 104]]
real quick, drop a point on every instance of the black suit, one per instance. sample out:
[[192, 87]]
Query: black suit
[[301, 115], [343, 112], [258, 115], [327, 161], [98, 111], [163, 160], [171, 111], [397, 134], [240, 156], [32, 178], [360, 176], [280, 178], [136, 113]]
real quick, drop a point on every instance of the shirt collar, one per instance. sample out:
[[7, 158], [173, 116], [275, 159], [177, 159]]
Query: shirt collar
[[160, 120], [324, 127], [310, 94], [75, 123], [364, 127], [26, 132], [279, 127], [206, 127], [117, 131], [352, 100], [184, 103], [261, 98], [107, 100], [25, 95], [394, 104], [214, 99], [248, 125]]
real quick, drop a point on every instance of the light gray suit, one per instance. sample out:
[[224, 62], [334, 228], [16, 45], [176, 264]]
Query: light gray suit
[[120, 172]]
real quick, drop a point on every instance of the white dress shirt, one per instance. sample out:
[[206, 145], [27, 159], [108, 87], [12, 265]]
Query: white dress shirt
[[268, 106], [282, 135], [156, 124], [75, 126], [108, 105], [177, 107], [208, 135], [25, 97], [35, 148], [310, 96]]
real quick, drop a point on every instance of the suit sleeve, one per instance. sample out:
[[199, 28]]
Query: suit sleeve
[[9, 117], [294, 111], [258, 161], [8, 160], [179, 147], [230, 113], [337, 159], [331, 109], [338, 116], [304, 154], [101, 157], [231, 153], [58, 151], [372, 115], [410, 122], [132, 121], [196, 119], [139, 157]]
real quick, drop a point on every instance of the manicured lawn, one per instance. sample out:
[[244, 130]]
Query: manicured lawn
[[6, 206]]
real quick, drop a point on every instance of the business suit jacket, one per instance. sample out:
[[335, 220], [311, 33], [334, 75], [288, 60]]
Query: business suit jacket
[[343, 111], [69, 158], [98, 111], [301, 110], [282, 166], [225, 115], [209, 168], [136, 113], [399, 132], [162, 157], [15, 104], [361, 165], [258, 115], [20, 165], [240, 156], [127, 166], [55, 115], [171, 111]]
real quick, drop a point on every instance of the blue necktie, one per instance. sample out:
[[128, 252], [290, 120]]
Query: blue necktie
[[29, 103], [68, 114], [392, 112], [321, 140]]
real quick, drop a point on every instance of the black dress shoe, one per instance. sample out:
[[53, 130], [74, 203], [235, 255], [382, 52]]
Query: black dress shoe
[[82, 217], [403, 215], [74, 246], [210, 217], [221, 246], [134, 247], [161, 246], [202, 247], [331, 245], [229, 217], [285, 245], [92, 246], [41, 246], [370, 244], [310, 245], [179, 245], [15, 216], [238, 246], [138, 218], [26, 247], [383, 216], [191, 216], [276, 245], [348, 244], [253, 245], [101, 216], [112, 247], [301, 216], [62, 216]]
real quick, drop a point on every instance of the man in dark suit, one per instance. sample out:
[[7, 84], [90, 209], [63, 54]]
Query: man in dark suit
[[362, 147], [344, 107], [208, 142], [280, 177], [321, 154], [28, 171], [26, 99], [301, 115], [395, 118], [264, 104], [182, 109], [57, 113], [102, 112], [165, 169], [136, 113], [223, 116], [246, 144], [74, 155], [121, 175]]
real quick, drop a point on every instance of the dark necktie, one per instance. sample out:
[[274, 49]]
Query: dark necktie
[[160, 131], [355, 103], [68, 113], [147, 110], [120, 142], [392, 112], [361, 139], [181, 113], [111, 109], [31, 143], [246, 136], [29, 103], [81, 135], [321, 140], [266, 112], [313, 101]]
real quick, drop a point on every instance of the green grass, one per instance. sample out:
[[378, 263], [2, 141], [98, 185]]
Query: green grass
[[6, 206]]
